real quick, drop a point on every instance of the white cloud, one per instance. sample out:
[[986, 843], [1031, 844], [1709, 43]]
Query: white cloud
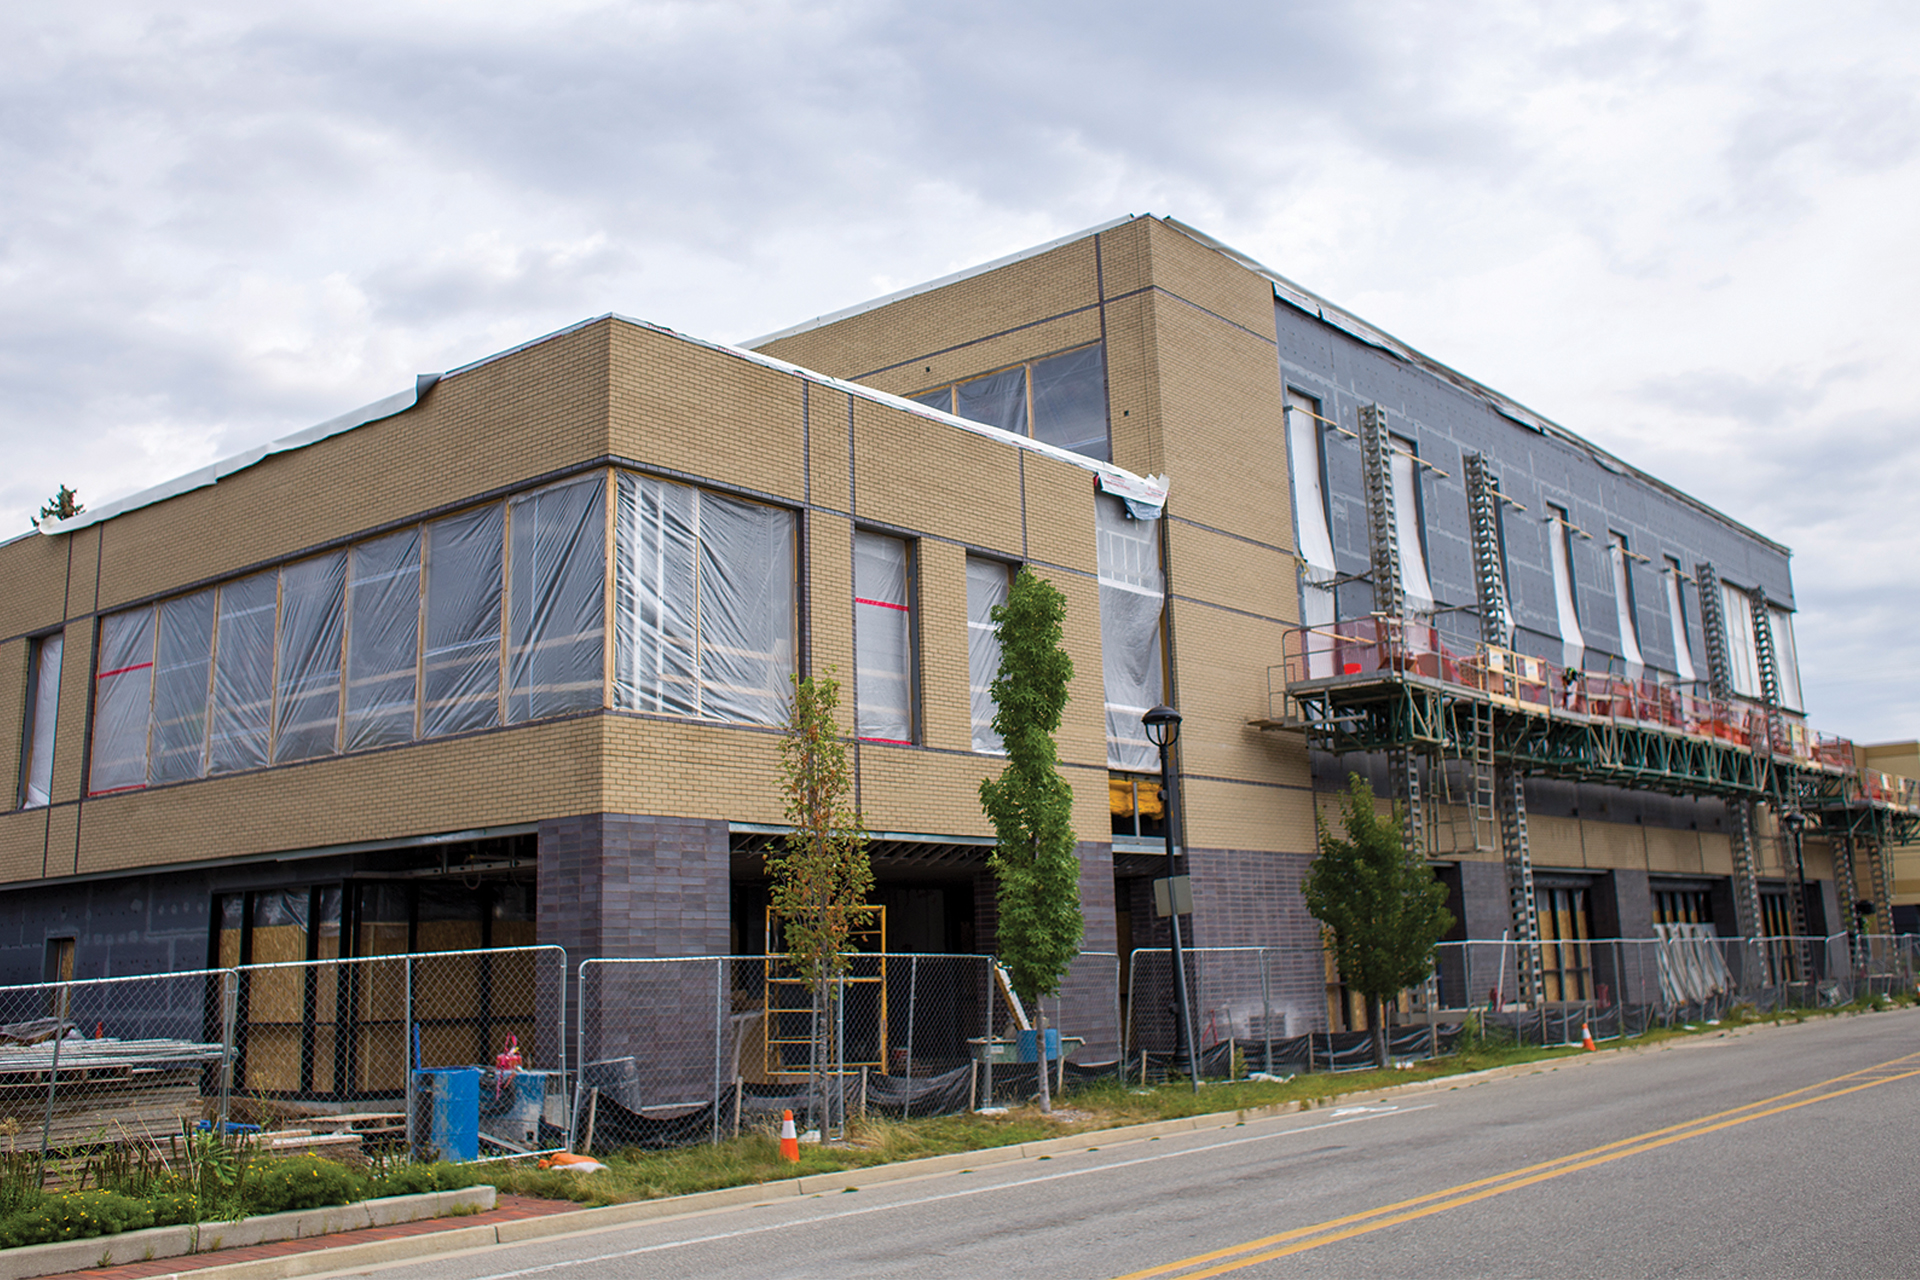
[[1682, 229]]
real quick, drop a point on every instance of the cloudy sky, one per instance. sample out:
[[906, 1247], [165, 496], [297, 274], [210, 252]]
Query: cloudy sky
[[1685, 230]]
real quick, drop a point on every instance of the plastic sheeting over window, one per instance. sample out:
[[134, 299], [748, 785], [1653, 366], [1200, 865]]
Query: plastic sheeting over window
[[1132, 590], [1406, 527], [250, 673], [705, 589], [1573, 645], [557, 618], [307, 703], [1070, 401], [1677, 620], [987, 586], [45, 719], [1623, 603], [882, 638], [383, 641], [1740, 655], [122, 702], [1786, 655], [1312, 534], [180, 680], [999, 400], [461, 656], [243, 674]]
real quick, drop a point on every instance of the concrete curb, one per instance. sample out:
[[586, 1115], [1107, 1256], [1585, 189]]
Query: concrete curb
[[172, 1242]]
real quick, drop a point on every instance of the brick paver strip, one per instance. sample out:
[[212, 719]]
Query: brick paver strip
[[506, 1209]]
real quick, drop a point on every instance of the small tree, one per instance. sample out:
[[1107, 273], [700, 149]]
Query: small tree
[[1382, 905], [62, 505], [1031, 805], [822, 877]]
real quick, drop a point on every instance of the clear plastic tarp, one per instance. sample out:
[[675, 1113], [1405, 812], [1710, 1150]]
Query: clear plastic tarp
[[882, 639], [1740, 655], [987, 586], [1573, 646], [1677, 620], [1406, 525], [180, 690], [705, 593], [46, 718], [1132, 590], [557, 618], [307, 709], [1623, 604], [122, 702], [999, 400], [1786, 656], [1312, 531], [243, 674], [383, 640], [1070, 401], [461, 666]]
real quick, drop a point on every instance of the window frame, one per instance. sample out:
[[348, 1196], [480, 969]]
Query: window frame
[[34, 734], [951, 392], [910, 606]]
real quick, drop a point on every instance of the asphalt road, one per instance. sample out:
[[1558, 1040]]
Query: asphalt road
[[1771, 1152]]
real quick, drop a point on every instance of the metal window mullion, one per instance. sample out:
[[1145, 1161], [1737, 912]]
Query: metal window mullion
[[420, 636], [502, 677], [699, 617], [609, 593]]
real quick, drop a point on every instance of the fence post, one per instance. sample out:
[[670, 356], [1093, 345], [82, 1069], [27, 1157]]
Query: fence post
[[61, 1005], [913, 998], [987, 1044], [1266, 1012], [229, 1041], [719, 1007], [560, 1040], [407, 1066]]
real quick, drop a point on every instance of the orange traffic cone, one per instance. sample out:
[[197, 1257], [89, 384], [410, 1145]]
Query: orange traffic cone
[[789, 1140], [1586, 1039]]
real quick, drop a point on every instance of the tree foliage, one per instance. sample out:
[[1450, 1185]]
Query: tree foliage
[[822, 876], [63, 504], [1381, 904], [1030, 804]]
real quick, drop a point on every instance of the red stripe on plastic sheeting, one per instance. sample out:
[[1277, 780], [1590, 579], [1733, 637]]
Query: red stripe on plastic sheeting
[[120, 671], [880, 604]]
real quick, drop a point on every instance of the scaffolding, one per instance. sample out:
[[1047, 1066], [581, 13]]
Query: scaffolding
[[1386, 685]]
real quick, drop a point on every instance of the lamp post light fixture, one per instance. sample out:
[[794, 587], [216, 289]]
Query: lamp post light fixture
[[1163, 730]]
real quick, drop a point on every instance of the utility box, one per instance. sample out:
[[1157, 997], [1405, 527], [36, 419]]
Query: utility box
[[447, 1099]]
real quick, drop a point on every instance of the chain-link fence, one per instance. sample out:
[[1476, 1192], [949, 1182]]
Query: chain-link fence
[[461, 1054]]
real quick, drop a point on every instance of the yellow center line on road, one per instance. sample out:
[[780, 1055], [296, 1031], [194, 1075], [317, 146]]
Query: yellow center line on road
[[1301, 1239]]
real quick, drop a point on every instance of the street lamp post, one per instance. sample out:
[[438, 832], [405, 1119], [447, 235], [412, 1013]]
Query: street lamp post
[[1163, 729]]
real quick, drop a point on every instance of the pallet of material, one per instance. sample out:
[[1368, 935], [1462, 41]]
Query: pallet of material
[[142, 1103]]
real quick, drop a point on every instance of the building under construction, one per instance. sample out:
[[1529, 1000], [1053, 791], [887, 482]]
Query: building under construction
[[501, 659]]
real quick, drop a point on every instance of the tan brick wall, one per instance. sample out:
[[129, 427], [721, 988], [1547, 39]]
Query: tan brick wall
[[23, 844], [705, 413], [1224, 815], [36, 576], [1022, 293], [914, 474], [16, 677], [1133, 385], [76, 684], [1062, 333], [827, 445], [946, 709], [1188, 269], [1674, 851]]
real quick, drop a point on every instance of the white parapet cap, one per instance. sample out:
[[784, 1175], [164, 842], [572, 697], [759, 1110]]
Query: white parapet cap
[[1145, 496]]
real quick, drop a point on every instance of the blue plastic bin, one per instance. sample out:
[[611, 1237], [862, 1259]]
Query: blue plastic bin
[[1024, 1047], [449, 1099]]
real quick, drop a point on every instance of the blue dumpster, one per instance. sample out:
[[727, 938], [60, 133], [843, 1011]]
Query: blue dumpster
[[448, 1098]]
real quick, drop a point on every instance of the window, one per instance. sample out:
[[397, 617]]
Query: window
[[43, 718], [1677, 619], [1786, 657], [1622, 560], [307, 705], [705, 586], [460, 653], [122, 703], [180, 688], [1131, 588], [243, 674], [1740, 656], [988, 582], [883, 637], [558, 614], [1312, 536], [383, 640], [1682, 906], [366, 647], [1560, 550], [1406, 522], [1565, 958], [1061, 400], [1137, 806]]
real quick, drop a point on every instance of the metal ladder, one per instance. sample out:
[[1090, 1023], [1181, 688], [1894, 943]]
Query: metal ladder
[[1496, 788], [1389, 605], [1746, 880], [1769, 665]]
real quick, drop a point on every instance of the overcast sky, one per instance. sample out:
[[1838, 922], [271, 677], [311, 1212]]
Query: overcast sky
[[1684, 230]]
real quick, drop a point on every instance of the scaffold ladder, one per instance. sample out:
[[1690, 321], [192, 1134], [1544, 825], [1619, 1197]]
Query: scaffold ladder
[[1389, 604], [1769, 667], [1878, 889], [1501, 789], [1846, 892], [1746, 879]]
